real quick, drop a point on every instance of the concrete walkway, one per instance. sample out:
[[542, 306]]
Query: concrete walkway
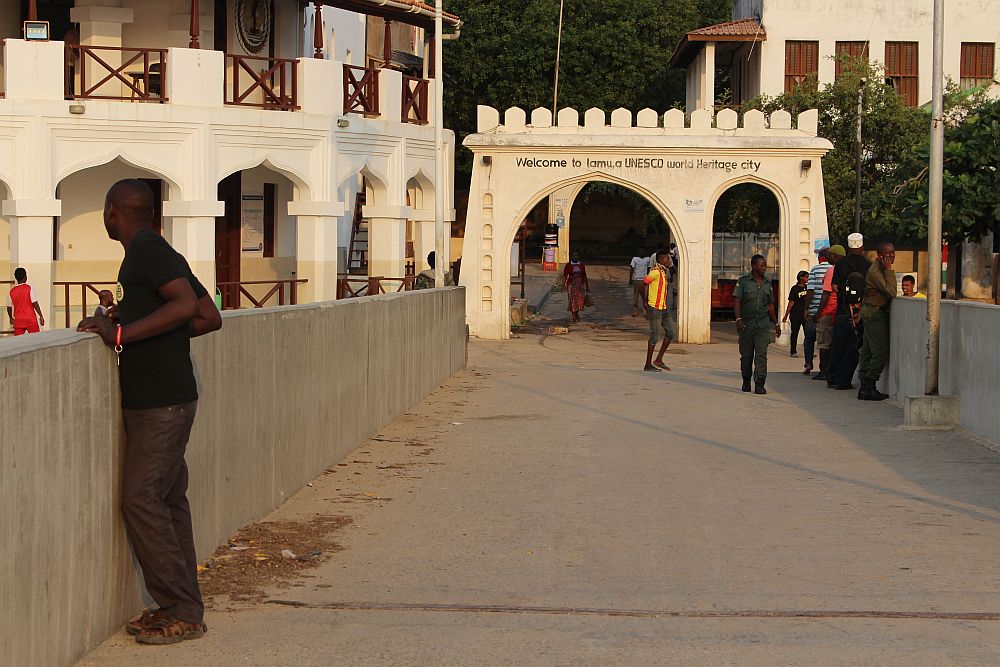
[[555, 505]]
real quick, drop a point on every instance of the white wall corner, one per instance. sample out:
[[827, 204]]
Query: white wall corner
[[34, 70], [318, 89], [195, 77], [809, 122], [391, 95]]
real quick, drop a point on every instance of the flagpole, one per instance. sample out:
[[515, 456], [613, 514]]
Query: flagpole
[[440, 240]]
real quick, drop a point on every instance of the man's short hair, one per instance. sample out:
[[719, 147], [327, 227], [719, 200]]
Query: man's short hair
[[431, 257], [909, 279], [20, 275], [885, 246], [134, 198], [756, 258], [661, 253]]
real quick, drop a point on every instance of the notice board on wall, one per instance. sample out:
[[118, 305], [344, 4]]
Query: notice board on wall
[[252, 223]]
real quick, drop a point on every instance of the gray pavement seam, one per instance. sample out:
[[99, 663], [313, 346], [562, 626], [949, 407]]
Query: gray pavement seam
[[641, 613]]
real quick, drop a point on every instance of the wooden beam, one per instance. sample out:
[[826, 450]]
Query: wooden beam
[[318, 30], [195, 25], [387, 42], [32, 10], [409, 18]]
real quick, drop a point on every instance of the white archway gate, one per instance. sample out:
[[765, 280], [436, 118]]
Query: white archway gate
[[682, 169]]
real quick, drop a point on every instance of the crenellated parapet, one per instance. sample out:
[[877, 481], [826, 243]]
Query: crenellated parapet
[[647, 122]]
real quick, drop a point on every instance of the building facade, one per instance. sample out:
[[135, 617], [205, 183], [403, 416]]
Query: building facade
[[270, 132], [772, 46]]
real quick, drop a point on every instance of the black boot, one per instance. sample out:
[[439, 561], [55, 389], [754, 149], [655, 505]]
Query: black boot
[[868, 392], [863, 391], [746, 383], [759, 388]]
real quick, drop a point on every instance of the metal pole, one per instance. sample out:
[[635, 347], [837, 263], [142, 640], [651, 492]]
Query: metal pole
[[934, 232], [440, 241], [555, 89], [857, 158]]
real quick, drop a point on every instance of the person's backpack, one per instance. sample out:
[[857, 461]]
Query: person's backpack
[[854, 288]]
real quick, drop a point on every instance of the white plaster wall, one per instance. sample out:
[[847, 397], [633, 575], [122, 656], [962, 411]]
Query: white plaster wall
[[253, 265], [166, 23], [5, 271], [343, 34], [877, 22], [504, 192]]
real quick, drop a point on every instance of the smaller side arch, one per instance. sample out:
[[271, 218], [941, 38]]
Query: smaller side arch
[[302, 185]]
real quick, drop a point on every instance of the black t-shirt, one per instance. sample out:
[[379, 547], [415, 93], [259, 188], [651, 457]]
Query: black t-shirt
[[155, 372], [797, 295], [844, 268]]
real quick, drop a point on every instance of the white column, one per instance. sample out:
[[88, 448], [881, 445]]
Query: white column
[[387, 239], [31, 228], [34, 70], [708, 79], [316, 248], [192, 234], [101, 24]]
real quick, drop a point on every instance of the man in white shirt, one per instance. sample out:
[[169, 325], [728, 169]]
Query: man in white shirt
[[637, 270]]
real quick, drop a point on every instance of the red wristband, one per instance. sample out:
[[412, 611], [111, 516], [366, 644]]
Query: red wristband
[[118, 336]]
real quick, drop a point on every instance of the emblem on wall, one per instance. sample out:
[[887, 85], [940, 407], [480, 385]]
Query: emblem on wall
[[253, 24]]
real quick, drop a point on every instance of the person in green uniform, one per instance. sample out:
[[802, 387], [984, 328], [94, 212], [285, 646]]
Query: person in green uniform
[[753, 303], [880, 290]]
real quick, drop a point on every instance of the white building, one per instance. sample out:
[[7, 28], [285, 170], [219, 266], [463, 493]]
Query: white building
[[256, 130], [771, 46]]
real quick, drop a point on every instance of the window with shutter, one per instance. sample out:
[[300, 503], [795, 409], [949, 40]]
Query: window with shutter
[[977, 64], [858, 50], [801, 64], [902, 70]]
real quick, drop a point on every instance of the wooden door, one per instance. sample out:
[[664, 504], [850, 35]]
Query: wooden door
[[227, 240]]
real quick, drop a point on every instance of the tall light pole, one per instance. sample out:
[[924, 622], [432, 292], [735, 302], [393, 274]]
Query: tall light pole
[[440, 241], [555, 88], [935, 204]]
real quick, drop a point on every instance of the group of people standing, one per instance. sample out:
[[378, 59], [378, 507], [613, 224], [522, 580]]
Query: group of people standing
[[841, 304]]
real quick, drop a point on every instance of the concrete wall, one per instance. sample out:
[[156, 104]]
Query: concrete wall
[[284, 394], [970, 359]]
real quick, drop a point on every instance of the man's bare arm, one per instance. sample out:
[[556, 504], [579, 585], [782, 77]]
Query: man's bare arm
[[207, 320]]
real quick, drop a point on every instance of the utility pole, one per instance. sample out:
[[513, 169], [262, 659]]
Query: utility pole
[[857, 157], [555, 89], [935, 205], [440, 240]]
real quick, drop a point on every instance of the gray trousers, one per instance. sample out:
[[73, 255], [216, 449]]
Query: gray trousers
[[753, 354], [155, 507]]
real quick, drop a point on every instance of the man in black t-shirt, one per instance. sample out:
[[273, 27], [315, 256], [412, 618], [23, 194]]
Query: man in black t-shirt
[[847, 327], [161, 306]]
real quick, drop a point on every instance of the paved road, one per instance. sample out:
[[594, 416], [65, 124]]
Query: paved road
[[554, 505]]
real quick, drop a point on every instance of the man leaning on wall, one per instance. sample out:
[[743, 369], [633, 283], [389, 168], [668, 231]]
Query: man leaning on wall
[[161, 306]]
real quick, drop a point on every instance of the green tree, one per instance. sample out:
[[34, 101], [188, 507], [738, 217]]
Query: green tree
[[615, 53], [971, 193]]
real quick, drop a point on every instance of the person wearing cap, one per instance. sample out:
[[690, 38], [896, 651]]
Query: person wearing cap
[[847, 325], [880, 290], [826, 310]]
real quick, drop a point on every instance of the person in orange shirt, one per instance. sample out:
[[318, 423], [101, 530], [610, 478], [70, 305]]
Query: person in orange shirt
[[654, 291], [22, 306]]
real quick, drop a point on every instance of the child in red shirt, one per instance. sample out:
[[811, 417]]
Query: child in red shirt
[[22, 306]]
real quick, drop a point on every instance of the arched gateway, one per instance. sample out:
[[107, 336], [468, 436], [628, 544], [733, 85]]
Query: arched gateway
[[681, 169]]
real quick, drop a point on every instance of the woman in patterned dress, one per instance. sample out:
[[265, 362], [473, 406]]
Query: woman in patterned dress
[[575, 280]]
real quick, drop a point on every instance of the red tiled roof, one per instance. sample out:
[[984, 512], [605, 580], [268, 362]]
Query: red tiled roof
[[744, 30], [748, 28]]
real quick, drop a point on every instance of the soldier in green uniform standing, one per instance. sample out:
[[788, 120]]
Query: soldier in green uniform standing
[[880, 290], [753, 303]]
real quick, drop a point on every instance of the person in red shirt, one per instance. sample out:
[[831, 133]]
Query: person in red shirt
[[22, 306]]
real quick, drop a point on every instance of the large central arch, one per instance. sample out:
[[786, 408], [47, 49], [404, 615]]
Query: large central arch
[[681, 169]]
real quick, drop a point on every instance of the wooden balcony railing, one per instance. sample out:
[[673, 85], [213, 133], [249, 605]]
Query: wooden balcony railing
[[266, 83], [139, 77], [285, 290], [82, 309], [349, 286], [361, 94], [415, 100]]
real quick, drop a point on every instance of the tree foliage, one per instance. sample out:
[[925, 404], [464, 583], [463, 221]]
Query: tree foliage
[[615, 53], [895, 140]]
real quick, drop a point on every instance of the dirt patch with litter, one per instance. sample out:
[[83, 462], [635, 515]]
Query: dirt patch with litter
[[266, 555]]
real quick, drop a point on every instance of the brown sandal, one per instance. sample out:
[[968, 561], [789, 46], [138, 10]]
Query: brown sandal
[[147, 617], [168, 630]]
